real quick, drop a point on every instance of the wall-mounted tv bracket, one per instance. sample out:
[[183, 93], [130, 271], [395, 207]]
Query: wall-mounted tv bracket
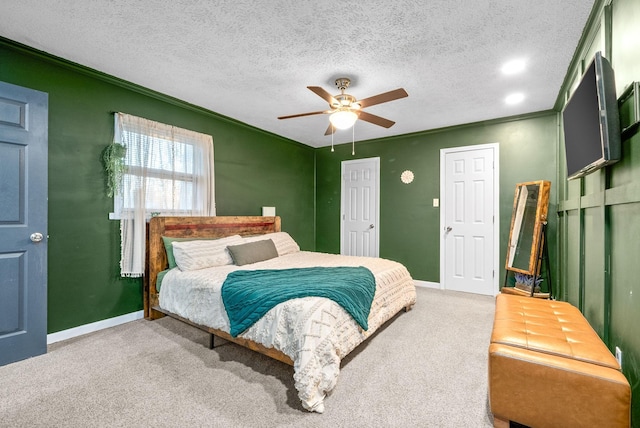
[[629, 108]]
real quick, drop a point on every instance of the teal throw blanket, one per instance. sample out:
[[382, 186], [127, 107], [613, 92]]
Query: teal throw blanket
[[249, 294]]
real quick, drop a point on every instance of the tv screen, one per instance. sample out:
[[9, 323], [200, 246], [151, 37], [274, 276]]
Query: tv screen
[[591, 121]]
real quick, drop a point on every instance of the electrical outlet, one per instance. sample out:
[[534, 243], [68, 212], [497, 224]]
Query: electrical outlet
[[619, 356]]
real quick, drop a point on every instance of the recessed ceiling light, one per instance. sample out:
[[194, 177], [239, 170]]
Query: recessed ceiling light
[[514, 98], [513, 67]]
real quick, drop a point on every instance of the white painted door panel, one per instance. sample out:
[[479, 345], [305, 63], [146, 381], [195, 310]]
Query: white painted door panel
[[469, 221], [359, 217]]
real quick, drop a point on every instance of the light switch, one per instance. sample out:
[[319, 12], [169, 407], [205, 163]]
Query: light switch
[[268, 211], [436, 202]]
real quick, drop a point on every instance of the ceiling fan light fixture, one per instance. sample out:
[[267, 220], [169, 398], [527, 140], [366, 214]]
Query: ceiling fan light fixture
[[345, 109], [343, 118]]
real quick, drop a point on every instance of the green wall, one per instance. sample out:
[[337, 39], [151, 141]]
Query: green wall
[[599, 227], [594, 240], [409, 224], [252, 168]]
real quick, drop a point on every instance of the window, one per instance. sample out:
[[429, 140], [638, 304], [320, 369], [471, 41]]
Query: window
[[168, 171]]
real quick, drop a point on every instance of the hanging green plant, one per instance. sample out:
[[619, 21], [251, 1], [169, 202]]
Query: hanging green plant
[[114, 167]]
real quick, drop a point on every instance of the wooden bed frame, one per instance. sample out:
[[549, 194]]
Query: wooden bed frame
[[200, 227]]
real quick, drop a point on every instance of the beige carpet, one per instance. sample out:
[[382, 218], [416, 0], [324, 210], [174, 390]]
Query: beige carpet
[[426, 368]]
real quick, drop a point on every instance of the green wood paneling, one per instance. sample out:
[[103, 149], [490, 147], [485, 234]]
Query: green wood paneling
[[625, 292], [594, 304], [605, 206], [625, 36], [573, 268], [591, 184]]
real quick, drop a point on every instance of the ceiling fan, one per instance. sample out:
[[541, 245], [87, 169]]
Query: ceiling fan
[[345, 109]]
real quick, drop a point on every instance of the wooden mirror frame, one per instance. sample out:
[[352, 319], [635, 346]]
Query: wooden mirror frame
[[528, 216]]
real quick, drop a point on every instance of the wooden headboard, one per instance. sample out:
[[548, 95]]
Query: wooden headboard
[[196, 227]]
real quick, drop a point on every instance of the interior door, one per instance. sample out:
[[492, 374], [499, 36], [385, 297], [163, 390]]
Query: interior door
[[360, 207], [23, 223], [468, 219]]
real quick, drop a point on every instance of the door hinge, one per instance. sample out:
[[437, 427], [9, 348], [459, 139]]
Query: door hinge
[[493, 273]]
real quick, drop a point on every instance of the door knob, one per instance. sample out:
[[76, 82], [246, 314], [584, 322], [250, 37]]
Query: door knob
[[371, 226], [448, 229], [36, 237]]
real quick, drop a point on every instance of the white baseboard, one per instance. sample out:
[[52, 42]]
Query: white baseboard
[[94, 326], [427, 284], [112, 322]]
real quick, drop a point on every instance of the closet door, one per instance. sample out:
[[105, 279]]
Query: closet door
[[468, 220], [360, 207]]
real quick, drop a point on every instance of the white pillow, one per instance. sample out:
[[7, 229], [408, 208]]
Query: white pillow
[[201, 254], [284, 243]]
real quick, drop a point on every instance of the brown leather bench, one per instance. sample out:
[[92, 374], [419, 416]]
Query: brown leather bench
[[549, 368]]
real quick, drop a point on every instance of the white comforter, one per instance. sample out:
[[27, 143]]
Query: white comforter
[[316, 333]]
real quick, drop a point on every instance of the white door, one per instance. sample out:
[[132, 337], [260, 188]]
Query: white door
[[469, 223], [23, 223], [360, 207]]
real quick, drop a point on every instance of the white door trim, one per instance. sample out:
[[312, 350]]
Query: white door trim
[[496, 208], [343, 164]]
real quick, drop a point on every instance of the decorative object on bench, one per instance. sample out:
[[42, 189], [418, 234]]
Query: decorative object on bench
[[524, 282], [527, 239], [549, 368], [311, 333]]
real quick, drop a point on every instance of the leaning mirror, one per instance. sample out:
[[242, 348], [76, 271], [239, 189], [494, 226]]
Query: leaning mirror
[[530, 206]]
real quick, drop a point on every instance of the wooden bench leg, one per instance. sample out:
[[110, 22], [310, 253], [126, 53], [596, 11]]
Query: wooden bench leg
[[500, 423]]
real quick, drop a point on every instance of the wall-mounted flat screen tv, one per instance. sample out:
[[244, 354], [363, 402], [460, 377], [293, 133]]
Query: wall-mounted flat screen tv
[[591, 121]]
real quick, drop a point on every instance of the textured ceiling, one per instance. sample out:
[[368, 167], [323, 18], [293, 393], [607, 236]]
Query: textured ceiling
[[252, 60]]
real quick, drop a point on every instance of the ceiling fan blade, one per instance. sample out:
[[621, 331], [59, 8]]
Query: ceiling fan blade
[[383, 98], [303, 114], [323, 94], [376, 120], [330, 130]]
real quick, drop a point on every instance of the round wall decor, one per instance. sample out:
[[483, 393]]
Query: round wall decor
[[406, 177]]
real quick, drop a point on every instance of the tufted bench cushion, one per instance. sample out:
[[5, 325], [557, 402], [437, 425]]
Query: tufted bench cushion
[[548, 367], [548, 326]]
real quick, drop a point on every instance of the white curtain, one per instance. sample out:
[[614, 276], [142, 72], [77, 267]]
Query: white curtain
[[169, 172]]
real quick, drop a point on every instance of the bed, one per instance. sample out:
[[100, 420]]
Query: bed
[[310, 333]]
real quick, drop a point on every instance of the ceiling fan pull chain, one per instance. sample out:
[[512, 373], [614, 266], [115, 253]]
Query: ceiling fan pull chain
[[353, 140], [334, 131]]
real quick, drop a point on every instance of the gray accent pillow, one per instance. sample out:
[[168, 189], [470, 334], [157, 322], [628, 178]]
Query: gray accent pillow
[[253, 252]]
